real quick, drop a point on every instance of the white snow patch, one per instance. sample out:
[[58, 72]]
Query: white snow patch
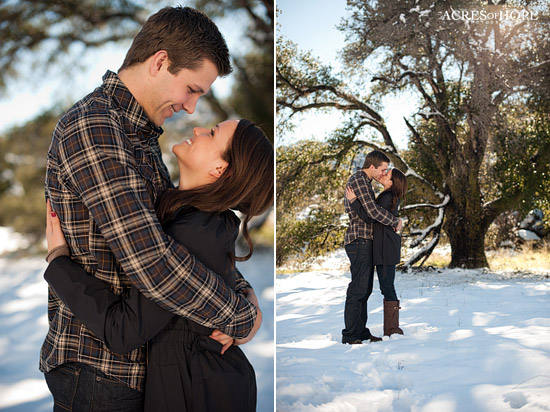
[[24, 324], [474, 341], [11, 241]]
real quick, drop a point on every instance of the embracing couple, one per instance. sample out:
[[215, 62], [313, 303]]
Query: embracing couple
[[146, 307], [372, 240]]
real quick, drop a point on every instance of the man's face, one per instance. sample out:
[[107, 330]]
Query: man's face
[[170, 93], [380, 171]]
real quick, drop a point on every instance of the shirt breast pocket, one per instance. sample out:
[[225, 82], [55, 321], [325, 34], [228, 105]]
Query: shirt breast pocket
[[147, 172]]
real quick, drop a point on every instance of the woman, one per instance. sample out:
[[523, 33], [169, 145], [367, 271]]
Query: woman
[[386, 244], [189, 367]]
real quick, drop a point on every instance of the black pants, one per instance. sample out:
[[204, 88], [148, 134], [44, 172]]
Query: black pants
[[360, 288], [386, 278], [79, 387]]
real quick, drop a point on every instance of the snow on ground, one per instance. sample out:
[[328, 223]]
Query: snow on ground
[[11, 241], [23, 326], [475, 341]]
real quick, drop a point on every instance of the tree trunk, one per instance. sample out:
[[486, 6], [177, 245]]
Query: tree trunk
[[467, 238]]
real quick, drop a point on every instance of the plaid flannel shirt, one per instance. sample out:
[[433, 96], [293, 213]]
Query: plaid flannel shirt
[[104, 175], [358, 228]]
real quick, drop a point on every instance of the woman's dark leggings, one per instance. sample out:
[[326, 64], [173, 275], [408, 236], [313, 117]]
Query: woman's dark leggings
[[386, 277]]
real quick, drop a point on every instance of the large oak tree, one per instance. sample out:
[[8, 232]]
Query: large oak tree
[[481, 92]]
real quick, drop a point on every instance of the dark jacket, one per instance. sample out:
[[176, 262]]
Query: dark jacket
[[185, 371], [386, 247]]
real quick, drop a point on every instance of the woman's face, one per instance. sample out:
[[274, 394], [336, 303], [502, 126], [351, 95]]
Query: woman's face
[[200, 157], [385, 180]]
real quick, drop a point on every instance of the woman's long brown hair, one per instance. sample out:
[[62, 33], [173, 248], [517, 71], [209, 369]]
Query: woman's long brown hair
[[246, 185], [398, 187]]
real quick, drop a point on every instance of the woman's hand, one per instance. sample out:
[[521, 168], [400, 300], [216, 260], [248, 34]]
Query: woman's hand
[[350, 194], [222, 338], [54, 234]]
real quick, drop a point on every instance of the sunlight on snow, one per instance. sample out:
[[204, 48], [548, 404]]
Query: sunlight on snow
[[22, 392]]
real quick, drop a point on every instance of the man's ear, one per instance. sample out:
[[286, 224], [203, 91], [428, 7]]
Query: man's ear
[[158, 60]]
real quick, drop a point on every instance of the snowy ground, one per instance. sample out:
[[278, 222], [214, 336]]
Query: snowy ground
[[23, 326], [474, 341]]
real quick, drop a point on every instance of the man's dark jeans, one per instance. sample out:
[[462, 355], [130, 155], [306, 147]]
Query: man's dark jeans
[[386, 278], [79, 387], [360, 288]]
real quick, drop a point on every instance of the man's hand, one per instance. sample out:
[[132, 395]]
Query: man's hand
[[251, 296], [226, 340]]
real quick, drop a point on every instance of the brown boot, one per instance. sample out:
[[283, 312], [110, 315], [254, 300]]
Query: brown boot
[[391, 317]]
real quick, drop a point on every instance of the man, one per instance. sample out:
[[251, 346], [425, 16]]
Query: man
[[104, 176], [358, 245]]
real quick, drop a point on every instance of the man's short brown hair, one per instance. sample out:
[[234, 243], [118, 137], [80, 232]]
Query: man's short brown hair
[[376, 158], [186, 34]]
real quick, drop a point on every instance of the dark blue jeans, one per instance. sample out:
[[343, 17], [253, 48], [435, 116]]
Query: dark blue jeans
[[360, 288], [386, 278], [79, 387]]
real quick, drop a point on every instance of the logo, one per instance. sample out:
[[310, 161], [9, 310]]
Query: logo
[[491, 14]]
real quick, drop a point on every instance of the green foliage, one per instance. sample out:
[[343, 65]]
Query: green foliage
[[252, 93], [318, 233], [523, 161], [311, 177], [418, 156], [22, 204]]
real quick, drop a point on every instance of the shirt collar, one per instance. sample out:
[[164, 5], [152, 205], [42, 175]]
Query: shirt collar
[[366, 176], [127, 102]]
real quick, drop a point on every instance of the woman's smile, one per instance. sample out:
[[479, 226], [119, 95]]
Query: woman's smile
[[198, 164]]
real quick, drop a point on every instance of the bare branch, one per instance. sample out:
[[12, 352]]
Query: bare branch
[[446, 200], [303, 108], [424, 253], [436, 226]]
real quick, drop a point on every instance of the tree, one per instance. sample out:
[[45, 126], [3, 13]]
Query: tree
[[22, 204], [252, 94], [310, 181], [47, 31], [466, 77]]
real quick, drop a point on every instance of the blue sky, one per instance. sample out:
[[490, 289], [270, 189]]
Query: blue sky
[[312, 25]]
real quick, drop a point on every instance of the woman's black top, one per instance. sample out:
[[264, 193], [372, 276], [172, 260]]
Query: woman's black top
[[185, 370], [386, 245]]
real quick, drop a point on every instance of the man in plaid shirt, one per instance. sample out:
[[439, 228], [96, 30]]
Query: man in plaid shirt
[[358, 245], [104, 176]]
